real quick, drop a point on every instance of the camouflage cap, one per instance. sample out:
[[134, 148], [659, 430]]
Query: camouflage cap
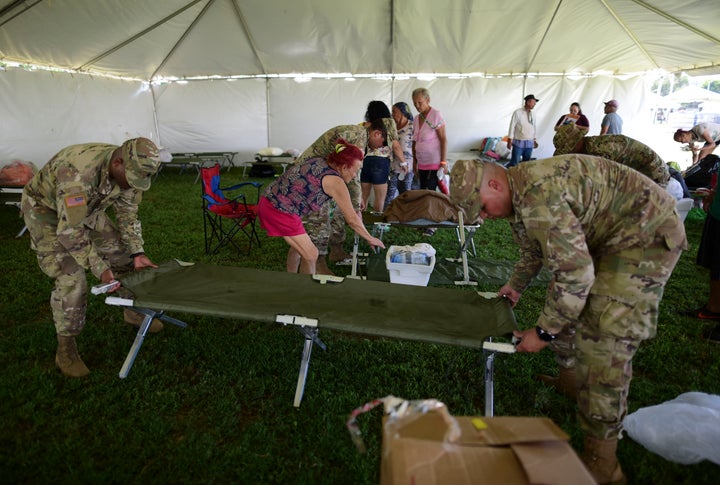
[[465, 182], [141, 159], [566, 138]]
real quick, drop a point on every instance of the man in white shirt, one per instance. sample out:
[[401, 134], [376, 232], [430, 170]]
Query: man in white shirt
[[521, 134]]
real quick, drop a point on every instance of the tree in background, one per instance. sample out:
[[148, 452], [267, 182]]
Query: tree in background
[[713, 86]]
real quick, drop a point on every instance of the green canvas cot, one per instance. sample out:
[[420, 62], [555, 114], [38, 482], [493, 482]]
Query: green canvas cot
[[439, 315]]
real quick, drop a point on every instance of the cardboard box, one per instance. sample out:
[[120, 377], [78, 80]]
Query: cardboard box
[[509, 450]]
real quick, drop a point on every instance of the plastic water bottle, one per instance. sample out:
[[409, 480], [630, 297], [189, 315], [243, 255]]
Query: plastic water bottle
[[401, 176], [403, 257], [441, 170], [420, 258]]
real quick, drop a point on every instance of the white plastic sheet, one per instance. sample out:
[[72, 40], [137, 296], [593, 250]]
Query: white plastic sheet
[[684, 430]]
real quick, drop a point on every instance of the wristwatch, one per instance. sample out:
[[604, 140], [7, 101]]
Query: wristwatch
[[544, 335]]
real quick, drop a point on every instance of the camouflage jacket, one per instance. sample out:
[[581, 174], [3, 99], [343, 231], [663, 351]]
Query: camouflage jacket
[[76, 185], [354, 134], [573, 208], [630, 152]]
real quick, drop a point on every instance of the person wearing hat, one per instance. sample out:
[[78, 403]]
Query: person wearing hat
[[611, 123], [64, 207], [521, 134], [610, 239]]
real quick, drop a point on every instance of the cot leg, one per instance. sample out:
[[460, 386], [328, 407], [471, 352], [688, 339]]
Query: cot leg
[[489, 383], [462, 252], [130, 359], [356, 245], [140, 337]]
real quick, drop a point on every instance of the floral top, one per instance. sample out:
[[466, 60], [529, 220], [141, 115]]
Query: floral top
[[299, 190]]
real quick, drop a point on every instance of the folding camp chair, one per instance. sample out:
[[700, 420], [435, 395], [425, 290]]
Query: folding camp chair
[[225, 215]]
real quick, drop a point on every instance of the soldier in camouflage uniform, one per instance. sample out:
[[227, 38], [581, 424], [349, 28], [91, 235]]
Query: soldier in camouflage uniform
[[618, 148], [323, 229], [611, 239], [64, 209]]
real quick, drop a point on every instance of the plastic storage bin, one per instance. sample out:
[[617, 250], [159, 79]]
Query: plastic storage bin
[[407, 273]]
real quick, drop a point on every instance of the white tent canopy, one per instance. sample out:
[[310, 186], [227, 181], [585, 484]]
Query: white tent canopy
[[485, 55]]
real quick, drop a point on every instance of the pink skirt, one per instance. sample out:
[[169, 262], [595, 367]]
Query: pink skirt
[[278, 223]]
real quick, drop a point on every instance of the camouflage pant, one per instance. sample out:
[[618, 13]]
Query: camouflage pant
[[325, 227], [68, 299], [621, 311]]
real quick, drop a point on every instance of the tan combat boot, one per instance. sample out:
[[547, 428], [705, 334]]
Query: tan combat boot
[[565, 383], [602, 463], [135, 319], [337, 253], [67, 358]]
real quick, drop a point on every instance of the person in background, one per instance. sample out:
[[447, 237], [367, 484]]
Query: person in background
[[708, 256], [618, 148], [305, 188], [429, 146], [376, 166], [576, 117], [65, 210], [401, 174], [707, 133], [521, 134], [429, 143], [611, 123], [323, 229], [610, 240]]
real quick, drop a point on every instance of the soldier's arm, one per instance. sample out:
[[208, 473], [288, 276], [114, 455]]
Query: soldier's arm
[[126, 212], [530, 261], [567, 257], [71, 195]]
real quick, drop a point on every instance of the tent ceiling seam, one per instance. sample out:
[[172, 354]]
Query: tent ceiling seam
[[11, 6], [679, 22], [392, 36], [184, 35], [246, 29], [542, 40], [137, 36], [630, 34]]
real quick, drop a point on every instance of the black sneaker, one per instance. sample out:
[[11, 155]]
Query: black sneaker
[[712, 334], [701, 313]]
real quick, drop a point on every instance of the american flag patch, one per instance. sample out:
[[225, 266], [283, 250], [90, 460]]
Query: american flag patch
[[75, 201]]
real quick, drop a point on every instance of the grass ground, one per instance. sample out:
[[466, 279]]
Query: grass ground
[[213, 403]]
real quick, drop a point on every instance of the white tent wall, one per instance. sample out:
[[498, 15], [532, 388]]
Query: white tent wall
[[213, 116], [45, 111]]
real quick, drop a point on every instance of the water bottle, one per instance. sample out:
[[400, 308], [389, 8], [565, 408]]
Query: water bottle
[[420, 258], [441, 170], [401, 176]]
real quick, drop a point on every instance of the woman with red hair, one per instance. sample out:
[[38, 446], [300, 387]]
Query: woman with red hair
[[304, 188]]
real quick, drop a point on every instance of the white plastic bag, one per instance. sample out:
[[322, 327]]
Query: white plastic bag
[[684, 430]]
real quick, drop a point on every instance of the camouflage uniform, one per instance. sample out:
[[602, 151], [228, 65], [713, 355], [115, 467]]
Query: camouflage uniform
[[327, 226], [630, 152], [611, 240], [64, 209], [618, 148]]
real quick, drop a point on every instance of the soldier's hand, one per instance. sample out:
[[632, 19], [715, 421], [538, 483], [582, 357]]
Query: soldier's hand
[[141, 261], [508, 292], [529, 341], [107, 276]]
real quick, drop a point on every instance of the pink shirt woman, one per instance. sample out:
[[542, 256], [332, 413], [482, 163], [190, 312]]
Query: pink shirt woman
[[429, 140]]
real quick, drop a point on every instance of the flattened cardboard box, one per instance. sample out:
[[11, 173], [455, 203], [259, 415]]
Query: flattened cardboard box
[[508, 451]]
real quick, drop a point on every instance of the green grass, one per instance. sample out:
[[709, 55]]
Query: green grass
[[213, 403]]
